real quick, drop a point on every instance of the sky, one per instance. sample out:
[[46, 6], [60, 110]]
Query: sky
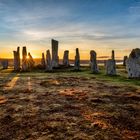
[[100, 25]]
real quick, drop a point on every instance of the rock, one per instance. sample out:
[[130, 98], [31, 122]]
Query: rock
[[133, 64], [48, 61], [43, 64], [124, 60], [17, 59], [4, 64], [93, 62], [66, 58], [55, 57], [24, 59], [110, 66], [77, 60], [113, 55], [31, 62]]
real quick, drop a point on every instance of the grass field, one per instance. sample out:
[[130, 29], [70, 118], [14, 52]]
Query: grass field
[[68, 105]]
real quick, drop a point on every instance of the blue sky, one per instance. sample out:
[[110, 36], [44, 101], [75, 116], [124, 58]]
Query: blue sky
[[100, 25]]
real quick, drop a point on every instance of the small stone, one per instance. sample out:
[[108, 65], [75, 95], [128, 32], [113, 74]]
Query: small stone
[[4, 64]]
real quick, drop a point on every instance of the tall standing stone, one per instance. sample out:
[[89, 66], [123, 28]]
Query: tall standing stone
[[66, 58], [77, 60], [30, 62], [43, 61], [4, 64], [93, 62], [110, 67], [17, 59], [124, 60], [48, 61], [24, 59], [55, 57], [113, 55], [133, 64]]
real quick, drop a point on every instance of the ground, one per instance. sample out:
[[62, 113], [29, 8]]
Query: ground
[[69, 106]]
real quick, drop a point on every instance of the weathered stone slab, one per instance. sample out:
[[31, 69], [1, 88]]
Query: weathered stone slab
[[133, 64], [48, 61], [4, 64], [77, 60], [55, 57], [124, 60], [31, 62], [66, 58], [24, 59], [110, 66], [17, 59], [43, 63], [93, 62]]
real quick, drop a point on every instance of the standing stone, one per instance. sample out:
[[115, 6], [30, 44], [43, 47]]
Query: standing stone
[[77, 60], [93, 62], [43, 61], [113, 55], [124, 60], [30, 62], [17, 59], [66, 58], [133, 64], [48, 61], [4, 64], [55, 57], [24, 59], [110, 67]]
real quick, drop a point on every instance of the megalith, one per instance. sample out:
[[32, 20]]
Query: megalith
[[77, 60], [48, 61], [31, 62], [133, 64], [110, 66], [55, 57], [66, 58], [93, 62], [124, 60], [24, 59], [17, 59], [43, 61], [113, 55]]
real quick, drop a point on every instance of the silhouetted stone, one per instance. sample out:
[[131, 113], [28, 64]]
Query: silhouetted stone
[[30, 62], [110, 67], [66, 58], [43, 61], [124, 60], [77, 60], [4, 64], [113, 55], [48, 61], [17, 59], [133, 64], [93, 62], [24, 59], [55, 57]]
